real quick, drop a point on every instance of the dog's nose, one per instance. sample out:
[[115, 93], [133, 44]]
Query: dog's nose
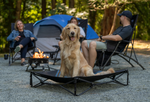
[[72, 33]]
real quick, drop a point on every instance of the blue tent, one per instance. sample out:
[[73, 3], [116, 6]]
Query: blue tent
[[62, 20], [50, 28]]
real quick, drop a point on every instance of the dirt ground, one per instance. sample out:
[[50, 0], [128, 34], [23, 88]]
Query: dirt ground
[[142, 47]]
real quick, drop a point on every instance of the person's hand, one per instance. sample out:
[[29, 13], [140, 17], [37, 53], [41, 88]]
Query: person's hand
[[17, 38], [99, 39], [32, 38], [81, 36]]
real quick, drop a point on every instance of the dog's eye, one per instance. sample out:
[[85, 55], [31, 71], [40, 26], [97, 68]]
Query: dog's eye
[[74, 27], [68, 28]]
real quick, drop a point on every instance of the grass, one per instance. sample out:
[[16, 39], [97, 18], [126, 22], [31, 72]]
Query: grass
[[2, 54]]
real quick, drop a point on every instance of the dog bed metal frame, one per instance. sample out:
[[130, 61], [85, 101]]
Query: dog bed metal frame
[[52, 75]]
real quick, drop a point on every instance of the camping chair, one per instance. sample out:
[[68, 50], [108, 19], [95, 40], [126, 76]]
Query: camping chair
[[40, 78], [112, 49], [83, 24], [12, 57]]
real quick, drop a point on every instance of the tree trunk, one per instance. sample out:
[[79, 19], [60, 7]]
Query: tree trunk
[[18, 9], [64, 1], [24, 6], [92, 18], [114, 22], [108, 21], [71, 3], [53, 4], [43, 8]]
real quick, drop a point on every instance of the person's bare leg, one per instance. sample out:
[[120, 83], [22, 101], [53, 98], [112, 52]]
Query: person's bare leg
[[85, 50], [21, 46], [92, 53], [22, 60]]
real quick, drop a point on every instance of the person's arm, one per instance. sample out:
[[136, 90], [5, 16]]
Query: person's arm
[[112, 37], [82, 33], [11, 37], [121, 35], [32, 36], [81, 36]]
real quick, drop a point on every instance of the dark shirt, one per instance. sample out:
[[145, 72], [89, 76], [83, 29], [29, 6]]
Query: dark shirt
[[21, 34], [125, 33]]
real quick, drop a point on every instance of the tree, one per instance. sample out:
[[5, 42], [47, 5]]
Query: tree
[[24, 8], [110, 8], [64, 1], [92, 20], [43, 8], [53, 4], [71, 3], [18, 9], [7, 16]]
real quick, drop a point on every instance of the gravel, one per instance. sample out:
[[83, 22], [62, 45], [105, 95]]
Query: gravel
[[15, 87]]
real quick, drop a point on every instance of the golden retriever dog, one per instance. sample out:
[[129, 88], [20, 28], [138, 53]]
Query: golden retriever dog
[[73, 62]]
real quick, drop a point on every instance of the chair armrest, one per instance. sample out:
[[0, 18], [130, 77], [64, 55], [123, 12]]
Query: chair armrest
[[58, 38], [56, 46], [126, 41]]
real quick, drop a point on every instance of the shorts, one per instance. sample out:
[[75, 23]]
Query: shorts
[[99, 45]]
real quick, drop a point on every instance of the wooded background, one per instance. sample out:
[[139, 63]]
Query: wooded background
[[101, 14]]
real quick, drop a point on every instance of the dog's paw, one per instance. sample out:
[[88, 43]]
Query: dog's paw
[[111, 70]]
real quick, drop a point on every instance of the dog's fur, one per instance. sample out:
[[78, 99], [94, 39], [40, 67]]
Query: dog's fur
[[73, 62]]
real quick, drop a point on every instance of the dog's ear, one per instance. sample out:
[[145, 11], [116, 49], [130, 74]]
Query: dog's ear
[[78, 33], [64, 33]]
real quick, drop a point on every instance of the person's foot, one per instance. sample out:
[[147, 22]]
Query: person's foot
[[17, 49], [24, 64]]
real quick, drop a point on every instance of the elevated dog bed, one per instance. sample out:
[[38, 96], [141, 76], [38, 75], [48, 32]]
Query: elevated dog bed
[[44, 76]]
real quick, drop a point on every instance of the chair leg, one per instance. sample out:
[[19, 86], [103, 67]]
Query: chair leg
[[103, 56], [107, 61], [55, 60], [132, 60], [9, 57]]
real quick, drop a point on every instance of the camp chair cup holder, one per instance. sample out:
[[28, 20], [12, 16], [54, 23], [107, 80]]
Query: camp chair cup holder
[[6, 56]]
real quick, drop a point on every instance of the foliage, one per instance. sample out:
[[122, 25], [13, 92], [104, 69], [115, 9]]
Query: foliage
[[142, 9], [60, 9], [31, 12]]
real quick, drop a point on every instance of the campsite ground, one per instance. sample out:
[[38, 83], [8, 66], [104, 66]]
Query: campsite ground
[[14, 83], [142, 47]]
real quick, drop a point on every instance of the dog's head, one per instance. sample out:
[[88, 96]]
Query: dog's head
[[71, 32]]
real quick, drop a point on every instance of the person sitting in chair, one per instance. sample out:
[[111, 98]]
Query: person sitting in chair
[[21, 40], [75, 21], [124, 32]]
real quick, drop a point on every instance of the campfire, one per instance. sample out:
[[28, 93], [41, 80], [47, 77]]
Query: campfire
[[38, 59], [39, 54]]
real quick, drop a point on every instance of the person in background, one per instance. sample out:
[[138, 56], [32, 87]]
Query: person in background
[[21, 40], [124, 32]]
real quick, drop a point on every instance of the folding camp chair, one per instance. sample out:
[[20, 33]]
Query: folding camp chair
[[82, 23], [112, 49], [42, 77], [12, 57]]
